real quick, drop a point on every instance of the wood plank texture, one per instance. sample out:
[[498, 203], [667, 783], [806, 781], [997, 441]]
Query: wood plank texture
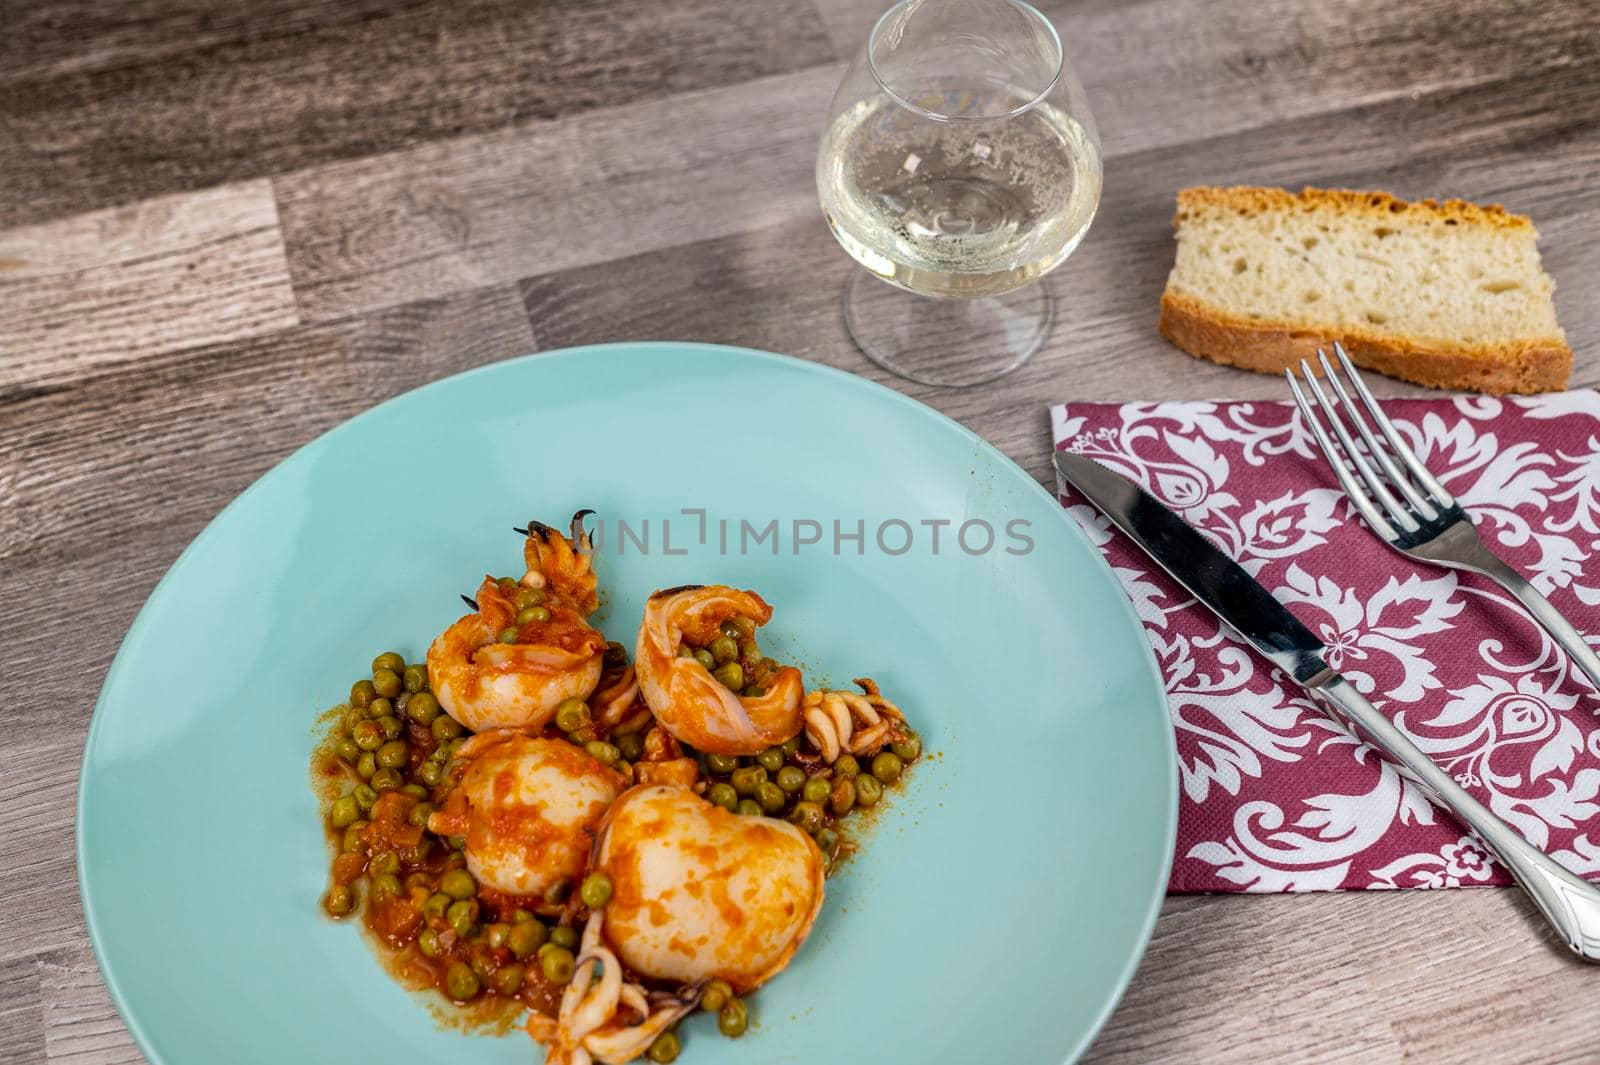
[[258, 105], [481, 210], [129, 282], [227, 228]]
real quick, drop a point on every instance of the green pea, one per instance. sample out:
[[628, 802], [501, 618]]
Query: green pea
[[482, 963], [508, 634], [733, 1018], [749, 808], [631, 746], [729, 675], [367, 765], [368, 736], [868, 791], [828, 842], [392, 728], [705, 658], [602, 752], [431, 774], [572, 715], [843, 796], [428, 943], [355, 837], [352, 716], [771, 797], [386, 779], [816, 789], [416, 791], [721, 764], [415, 678], [565, 936], [394, 754], [419, 814], [435, 906], [770, 759], [724, 649], [532, 613], [527, 597], [807, 815], [384, 887], [519, 915], [462, 915], [791, 779], [715, 996], [886, 767], [557, 893], [461, 982], [390, 661], [507, 981], [685, 651], [663, 1047], [339, 900], [743, 627], [387, 682], [753, 691], [908, 749], [789, 746], [527, 937], [556, 963], [846, 766], [347, 751], [422, 708], [365, 796], [596, 890], [387, 862], [446, 727], [497, 935], [723, 795], [362, 692], [344, 812], [747, 779], [458, 884], [730, 629]]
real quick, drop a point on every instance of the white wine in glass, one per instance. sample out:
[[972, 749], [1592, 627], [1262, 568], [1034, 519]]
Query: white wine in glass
[[960, 163]]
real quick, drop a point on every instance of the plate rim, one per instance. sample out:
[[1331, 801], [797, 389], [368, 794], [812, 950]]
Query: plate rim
[[1153, 904]]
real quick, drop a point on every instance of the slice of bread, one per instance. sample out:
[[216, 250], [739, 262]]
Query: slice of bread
[[1449, 294]]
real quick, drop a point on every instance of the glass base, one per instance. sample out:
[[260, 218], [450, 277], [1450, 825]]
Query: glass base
[[948, 343]]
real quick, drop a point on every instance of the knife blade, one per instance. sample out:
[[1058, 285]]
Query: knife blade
[[1196, 563], [1569, 903]]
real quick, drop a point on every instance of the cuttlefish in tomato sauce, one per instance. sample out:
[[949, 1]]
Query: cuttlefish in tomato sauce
[[528, 807], [686, 699]]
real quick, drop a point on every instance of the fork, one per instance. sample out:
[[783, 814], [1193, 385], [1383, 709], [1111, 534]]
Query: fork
[[1430, 525], [1427, 523]]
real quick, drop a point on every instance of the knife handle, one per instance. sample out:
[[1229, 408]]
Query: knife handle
[[1568, 902]]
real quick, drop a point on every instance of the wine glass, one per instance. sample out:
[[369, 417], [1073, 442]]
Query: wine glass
[[960, 164]]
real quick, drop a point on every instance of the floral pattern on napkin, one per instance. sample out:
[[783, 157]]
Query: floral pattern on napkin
[[1275, 794]]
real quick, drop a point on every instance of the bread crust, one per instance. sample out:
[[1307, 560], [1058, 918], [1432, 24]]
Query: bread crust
[[1272, 347], [1253, 200]]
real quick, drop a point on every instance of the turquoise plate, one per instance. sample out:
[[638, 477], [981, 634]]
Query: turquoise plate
[[998, 908]]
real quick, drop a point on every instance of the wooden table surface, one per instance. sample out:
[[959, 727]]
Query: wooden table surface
[[226, 228]]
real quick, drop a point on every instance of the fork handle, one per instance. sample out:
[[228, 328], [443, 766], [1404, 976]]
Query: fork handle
[[1558, 627], [1568, 902]]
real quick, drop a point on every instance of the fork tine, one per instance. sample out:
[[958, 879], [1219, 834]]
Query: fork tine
[[1441, 497], [1346, 480], [1377, 451], [1396, 511]]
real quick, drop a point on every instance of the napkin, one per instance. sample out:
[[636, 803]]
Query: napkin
[[1275, 794]]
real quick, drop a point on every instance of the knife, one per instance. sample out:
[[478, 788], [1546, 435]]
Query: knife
[[1571, 904]]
